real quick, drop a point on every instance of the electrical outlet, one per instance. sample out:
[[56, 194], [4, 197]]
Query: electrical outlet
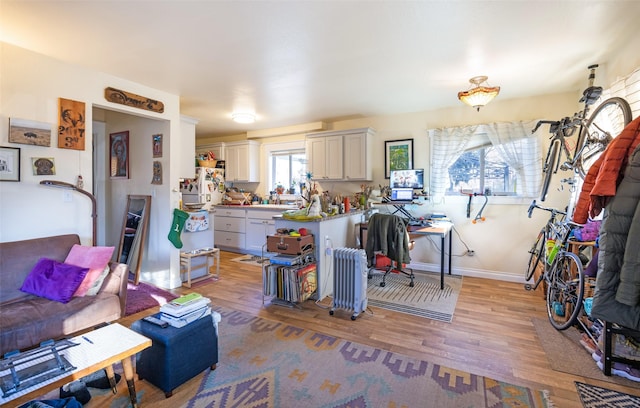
[[329, 251], [471, 252], [66, 197]]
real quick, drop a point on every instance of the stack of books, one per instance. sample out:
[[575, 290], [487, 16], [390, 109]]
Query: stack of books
[[185, 309]]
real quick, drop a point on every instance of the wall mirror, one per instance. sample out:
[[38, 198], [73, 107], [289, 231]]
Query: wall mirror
[[134, 233]]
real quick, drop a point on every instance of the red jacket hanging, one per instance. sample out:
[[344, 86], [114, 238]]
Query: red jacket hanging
[[605, 174]]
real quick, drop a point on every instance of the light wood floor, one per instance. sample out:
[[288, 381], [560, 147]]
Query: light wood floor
[[491, 333]]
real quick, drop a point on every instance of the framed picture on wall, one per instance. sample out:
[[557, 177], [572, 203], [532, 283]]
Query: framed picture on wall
[[157, 145], [9, 163], [43, 166], [398, 155], [119, 155]]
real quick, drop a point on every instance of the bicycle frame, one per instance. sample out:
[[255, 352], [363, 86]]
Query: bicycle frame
[[549, 231]]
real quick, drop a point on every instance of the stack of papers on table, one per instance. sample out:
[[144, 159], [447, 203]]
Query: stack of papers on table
[[179, 316]]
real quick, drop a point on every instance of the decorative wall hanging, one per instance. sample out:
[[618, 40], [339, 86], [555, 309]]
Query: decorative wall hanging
[[9, 164], [157, 145], [43, 166], [398, 155], [119, 155], [157, 173], [29, 132], [130, 99], [71, 124]]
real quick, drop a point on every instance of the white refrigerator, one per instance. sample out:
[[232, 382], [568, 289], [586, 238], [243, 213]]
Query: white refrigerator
[[206, 187]]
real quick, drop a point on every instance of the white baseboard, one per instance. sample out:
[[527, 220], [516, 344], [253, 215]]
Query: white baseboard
[[477, 273]]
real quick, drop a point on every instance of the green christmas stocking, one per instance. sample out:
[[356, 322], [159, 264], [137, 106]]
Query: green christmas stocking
[[179, 218]]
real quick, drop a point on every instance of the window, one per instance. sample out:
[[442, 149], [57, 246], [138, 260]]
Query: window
[[481, 170], [288, 170], [503, 158]]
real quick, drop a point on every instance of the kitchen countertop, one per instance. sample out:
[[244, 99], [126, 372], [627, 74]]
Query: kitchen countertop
[[328, 218], [274, 207]]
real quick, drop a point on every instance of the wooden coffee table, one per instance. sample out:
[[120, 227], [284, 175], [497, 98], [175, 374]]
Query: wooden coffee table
[[96, 350]]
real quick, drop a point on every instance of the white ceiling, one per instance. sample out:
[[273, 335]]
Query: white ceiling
[[295, 62]]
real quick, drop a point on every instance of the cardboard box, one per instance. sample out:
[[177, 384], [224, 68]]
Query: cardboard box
[[286, 244]]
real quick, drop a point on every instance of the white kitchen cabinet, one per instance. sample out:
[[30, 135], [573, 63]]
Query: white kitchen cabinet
[[230, 228], [324, 155], [242, 160], [216, 148], [357, 154], [259, 224], [340, 155]]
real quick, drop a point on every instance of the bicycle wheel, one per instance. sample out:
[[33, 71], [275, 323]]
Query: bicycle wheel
[[605, 123], [535, 255], [550, 167], [565, 290]]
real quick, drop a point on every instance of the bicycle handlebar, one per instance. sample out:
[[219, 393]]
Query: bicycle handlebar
[[553, 211], [562, 124]]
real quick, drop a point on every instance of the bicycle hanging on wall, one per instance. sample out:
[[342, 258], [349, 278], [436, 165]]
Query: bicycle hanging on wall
[[594, 134]]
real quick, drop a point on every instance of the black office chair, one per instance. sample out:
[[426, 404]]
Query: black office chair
[[387, 236]]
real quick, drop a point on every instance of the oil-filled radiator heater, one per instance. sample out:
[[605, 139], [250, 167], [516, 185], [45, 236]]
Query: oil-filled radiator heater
[[349, 280]]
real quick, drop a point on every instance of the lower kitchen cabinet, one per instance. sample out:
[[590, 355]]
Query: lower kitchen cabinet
[[259, 224], [229, 225]]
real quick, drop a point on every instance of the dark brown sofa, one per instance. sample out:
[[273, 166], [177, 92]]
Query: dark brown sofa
[[27, 320]]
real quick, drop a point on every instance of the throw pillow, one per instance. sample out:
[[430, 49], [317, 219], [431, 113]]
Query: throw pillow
[[94, 258], [95, 288], [54, 280]]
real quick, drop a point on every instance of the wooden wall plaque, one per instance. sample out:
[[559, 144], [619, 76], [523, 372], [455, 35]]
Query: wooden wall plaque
[[71, 124], [130, 99]]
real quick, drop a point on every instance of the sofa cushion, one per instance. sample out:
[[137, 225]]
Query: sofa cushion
[[18, 258], [94, 258], [54, 280], [28, 322], [97, 284]]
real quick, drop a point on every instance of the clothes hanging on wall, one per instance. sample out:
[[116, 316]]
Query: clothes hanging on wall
[[617, 296]]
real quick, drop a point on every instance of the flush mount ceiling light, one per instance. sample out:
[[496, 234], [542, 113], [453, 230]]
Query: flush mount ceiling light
[[480, 95], [243, 117]]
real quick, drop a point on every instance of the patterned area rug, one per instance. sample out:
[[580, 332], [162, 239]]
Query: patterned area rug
[[597, 397], [425, 299], [565, 354], [270, 364], [251, 260], [144, 296]]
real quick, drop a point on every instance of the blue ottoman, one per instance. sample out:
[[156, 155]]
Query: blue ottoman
[[176, 354]]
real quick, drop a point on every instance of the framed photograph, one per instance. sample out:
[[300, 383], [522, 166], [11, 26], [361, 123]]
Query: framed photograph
[[43, 166], [29, 132], [119, 155], [9, 163], [157, 145], [398, 155]]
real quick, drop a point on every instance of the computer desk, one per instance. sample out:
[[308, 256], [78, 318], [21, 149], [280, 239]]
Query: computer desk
[[442, 229]]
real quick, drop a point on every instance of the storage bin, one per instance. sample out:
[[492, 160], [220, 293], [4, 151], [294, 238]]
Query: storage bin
[[289, 245]]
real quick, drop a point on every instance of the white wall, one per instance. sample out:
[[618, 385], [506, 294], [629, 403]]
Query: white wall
[[30, 85]]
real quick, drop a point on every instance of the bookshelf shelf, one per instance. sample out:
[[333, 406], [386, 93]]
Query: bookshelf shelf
[[288, 280]]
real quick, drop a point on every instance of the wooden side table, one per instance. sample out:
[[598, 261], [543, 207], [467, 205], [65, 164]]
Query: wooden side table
[[210, 258]]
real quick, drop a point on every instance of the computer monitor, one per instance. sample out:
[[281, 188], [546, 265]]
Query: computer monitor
[[412, 178]]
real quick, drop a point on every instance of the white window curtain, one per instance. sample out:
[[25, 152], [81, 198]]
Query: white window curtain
[[446, 146], [515, 143], [521, 150]]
